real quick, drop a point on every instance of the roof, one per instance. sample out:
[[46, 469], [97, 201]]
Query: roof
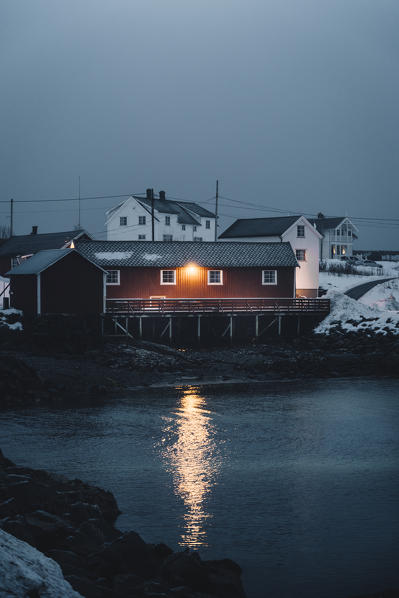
[[159, 254], [166, 206], [259, 227], [43, 260], [326, 223], [28, 244]]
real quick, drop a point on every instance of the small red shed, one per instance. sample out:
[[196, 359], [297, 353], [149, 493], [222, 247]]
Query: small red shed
[[58, 281]]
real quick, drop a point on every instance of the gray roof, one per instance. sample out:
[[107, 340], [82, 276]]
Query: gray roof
[[326, 223], [259, 227], [166, 206], [159, 254], [43, 260], [28, 244]]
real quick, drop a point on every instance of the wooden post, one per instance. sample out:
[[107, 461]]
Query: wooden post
[[298, 326], [256, 326], [231, 328], [170, 328], [279, 325], [140, 327], [199, 328]]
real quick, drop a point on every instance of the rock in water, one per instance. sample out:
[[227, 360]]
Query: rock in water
[[24, 571]]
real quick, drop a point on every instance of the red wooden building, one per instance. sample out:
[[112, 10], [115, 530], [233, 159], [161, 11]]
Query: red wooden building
[[58, 281]]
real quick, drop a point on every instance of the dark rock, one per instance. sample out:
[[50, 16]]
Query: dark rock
[[69, 561], [126, 585], [88, 588]]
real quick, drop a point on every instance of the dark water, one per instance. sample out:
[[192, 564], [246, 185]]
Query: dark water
[[297, 481]]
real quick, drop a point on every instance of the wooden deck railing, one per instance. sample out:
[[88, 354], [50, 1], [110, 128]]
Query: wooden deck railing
[[200, 306]]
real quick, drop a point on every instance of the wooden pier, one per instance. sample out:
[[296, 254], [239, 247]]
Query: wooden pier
[[212, 320]]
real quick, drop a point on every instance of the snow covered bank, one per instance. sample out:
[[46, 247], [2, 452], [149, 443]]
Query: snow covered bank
[[24, 571], [349, 315], [9, 318], [384, 297], [343, 282]]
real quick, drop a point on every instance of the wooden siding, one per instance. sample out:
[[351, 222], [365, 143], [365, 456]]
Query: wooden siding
[[23, 293], [73, 285], [237, 282], [5, 265]]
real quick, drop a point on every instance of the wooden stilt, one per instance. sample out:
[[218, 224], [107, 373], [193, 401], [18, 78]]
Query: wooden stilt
[[140, 327], [256, 326], [279, 325], [298, 326], [198, 327]]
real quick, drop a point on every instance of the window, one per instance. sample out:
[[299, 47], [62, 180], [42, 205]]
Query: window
[[142, 219], [113, 277], [269, 276], [168, 276], [338, 231], [123, 221], [141, 237], [349, 232], [197, 239], [183, 227], [300, 230], [194, 228], [167, 220], [300, 255], [207, 224], [168, 237], [215, 277]]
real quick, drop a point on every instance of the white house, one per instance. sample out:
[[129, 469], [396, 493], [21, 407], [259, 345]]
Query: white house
[[338, 235], [131, 220], [298, 231]]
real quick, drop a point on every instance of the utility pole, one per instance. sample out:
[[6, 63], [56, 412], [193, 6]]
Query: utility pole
[[79, 203], [152, 216], [11, 217], [216, 210]]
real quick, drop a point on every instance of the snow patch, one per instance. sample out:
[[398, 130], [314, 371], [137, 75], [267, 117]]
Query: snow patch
[[152, 257], [25, 571], [349, 315], [384, 296], [8, 319], [113, 255]]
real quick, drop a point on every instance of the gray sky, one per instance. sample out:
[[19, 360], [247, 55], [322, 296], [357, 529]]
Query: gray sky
[[292, 104]]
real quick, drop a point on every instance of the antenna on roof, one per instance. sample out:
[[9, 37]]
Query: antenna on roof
[[216, 210], [79, 202]]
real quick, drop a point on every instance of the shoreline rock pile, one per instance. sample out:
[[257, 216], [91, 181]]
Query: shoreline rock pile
[[73, 523]]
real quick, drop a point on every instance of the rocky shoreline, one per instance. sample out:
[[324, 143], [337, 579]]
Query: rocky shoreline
[[74, 524], [58, 373]]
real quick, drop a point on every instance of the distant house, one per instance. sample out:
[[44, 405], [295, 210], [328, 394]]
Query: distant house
[[57, 281], [296, 230], [157, 270], [338, 235], [131, 220], [15, 249]]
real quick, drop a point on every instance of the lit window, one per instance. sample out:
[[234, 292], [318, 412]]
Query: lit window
[[123, 221], [113, 277], [141, 237], [167, 220], [168, 237], [142, 220], [183, 227], [168, 276], [269, 276], [197, 239], [207, 224], [300, 255], [215, 277], [300, 230]]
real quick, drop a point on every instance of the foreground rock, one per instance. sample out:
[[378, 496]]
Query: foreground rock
[[73, 523], [24, 571]]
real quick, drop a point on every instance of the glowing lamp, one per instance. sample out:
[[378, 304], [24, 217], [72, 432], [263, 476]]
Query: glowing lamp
[[72, 245], [192, 268]]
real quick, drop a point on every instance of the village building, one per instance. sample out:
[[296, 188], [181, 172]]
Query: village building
[[57, 281], [337, 238], [157, 270], [20, 247], [295, 230], [159, 219]]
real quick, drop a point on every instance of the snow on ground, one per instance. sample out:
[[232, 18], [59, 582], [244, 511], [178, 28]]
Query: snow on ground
[[349, 315], [384, 296], [9, 319], [344, 282], [24, 571]]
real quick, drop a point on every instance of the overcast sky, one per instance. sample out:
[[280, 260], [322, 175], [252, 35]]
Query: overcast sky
[[291, 104]]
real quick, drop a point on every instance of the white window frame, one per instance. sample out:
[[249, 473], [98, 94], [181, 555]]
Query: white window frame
[[167, 220], [167, 240], [141, 237], [183, 227], [269, 283], [302, 227], [174, 277], [122, 220], [207, 224], [215, 283], [142, 220], [304, 254], [113, 284]]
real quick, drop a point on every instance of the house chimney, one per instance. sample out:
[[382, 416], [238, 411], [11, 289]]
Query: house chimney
[[162, 195], [148, 192], [34, 230]]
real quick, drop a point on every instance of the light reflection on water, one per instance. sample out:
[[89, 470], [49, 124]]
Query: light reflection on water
[[193, 459]]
